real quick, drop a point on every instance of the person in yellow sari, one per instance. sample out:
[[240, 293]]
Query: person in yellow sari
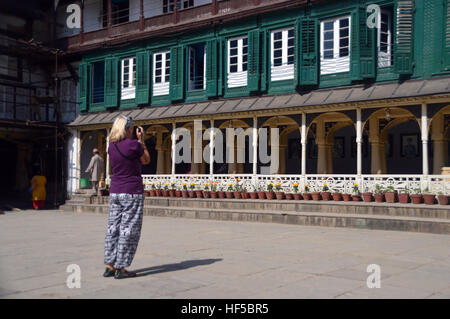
[[38, 190]]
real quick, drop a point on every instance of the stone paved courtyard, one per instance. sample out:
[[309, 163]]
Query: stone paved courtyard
[[186, 258]]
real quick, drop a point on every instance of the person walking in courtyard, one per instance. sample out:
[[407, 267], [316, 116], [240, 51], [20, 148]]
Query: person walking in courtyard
[[126, 199], [38, 189], [95, 168]]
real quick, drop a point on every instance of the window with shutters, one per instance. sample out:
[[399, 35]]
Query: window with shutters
[[128, 80], [282, 54], [98, 82], [335, 45], [197, 67], [385, 39], [168, 5], [237, 62], [161, 73]]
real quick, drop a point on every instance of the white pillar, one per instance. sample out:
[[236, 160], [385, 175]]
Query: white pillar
[[211, 148], [107, 176], [303, 143], [358, 141], [173, 149], [255, 146], [424, 126], [73, 170]]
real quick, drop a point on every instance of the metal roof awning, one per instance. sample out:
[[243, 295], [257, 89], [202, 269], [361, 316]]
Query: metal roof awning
[[312, 99]]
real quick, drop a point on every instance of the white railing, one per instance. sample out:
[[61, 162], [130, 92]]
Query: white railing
[[336, 183]]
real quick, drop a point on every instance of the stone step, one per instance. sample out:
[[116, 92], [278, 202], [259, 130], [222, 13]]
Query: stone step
[[366, 221]]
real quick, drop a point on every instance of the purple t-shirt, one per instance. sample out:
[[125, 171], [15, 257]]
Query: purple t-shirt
[[126, 173]]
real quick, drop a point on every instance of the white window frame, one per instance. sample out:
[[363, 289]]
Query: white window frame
[[238, 78], [385, 58], [161, 88], [284, 71], [128, 92], [191, 83], [337, 64]]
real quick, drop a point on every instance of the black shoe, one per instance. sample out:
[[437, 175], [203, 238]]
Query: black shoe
[[108, 272], [124, 274]]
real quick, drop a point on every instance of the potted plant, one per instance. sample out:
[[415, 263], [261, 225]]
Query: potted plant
[[416, 198], [347, 197], [206, 191], [185, 192], [379, 193], [244, 193], [337, 196], [269, 192], [326, 195], [153, 190], [428, 197], [315, 195], [403, 195], [297, 195], [165, 191], [229, 192], [367, 196], [261, 193], [178, 192], [254, 194], [158, 190], [213, 192], [356, 194], [279, 194], [220, 193], [172, 189], [191, 190], [442, 199], [237, 189], [306, 193], [390, 194], [198, 193]]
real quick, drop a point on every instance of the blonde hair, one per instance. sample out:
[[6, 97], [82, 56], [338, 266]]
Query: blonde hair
[[118, 131]]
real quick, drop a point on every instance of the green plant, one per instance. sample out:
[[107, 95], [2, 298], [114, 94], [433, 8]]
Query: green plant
[[404, 190], [417, 191], [295, 186], [325, 188], [230, 187], [153, 186], [244, 190], [185, 186], [166, 187], [214, 186], [306, 187], [192, 186], [379, 189], [270, 187], [390, 189], [278, 187], [172, 185], [356, 189], [426, 191], [206, 186]]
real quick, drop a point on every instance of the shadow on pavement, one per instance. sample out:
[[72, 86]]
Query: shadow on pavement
[[174, 267]]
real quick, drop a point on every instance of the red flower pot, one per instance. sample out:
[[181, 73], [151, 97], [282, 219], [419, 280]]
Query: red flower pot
[[289, 196], [416, 198], [315, 196], [185, 194], [171, 192], [270, 195], [221, 194], [199, 193], [279, 195], [229, 195], [244, 195], [390, 197], [213, 194], [347, 197], [178, 193], [253, 195], [165, 193], [237, 195], [152, 193], [325, 195], [429, 199], [367, 197], [337, 197], [262, 195], [403, 198], [443, 199], [356, 198], [191, 194], [158, 192], [379, 198], [306, 196], [298, 196], [146, 193], [206, 194]]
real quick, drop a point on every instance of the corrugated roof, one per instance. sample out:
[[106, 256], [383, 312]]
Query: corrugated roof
[[377, 91]]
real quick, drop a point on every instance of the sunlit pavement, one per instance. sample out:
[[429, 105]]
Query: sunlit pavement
[[187, 258]]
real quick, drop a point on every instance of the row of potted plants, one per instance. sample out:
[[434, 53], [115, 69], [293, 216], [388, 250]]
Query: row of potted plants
[[274, 191]]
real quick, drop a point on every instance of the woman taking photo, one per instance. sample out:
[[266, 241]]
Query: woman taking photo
[[126, 198]]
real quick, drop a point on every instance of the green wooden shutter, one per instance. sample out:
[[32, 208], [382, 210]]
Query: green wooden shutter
[[176, 73], [83, 76], [446, 59], [220, 64], [143, 78], [363, 47], [253, 61], [264, 60], [211, 68], [403, 57], [111, 81], [307, 60]]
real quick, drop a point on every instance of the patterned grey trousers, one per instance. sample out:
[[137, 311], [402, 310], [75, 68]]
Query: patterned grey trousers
[[124, 228]]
